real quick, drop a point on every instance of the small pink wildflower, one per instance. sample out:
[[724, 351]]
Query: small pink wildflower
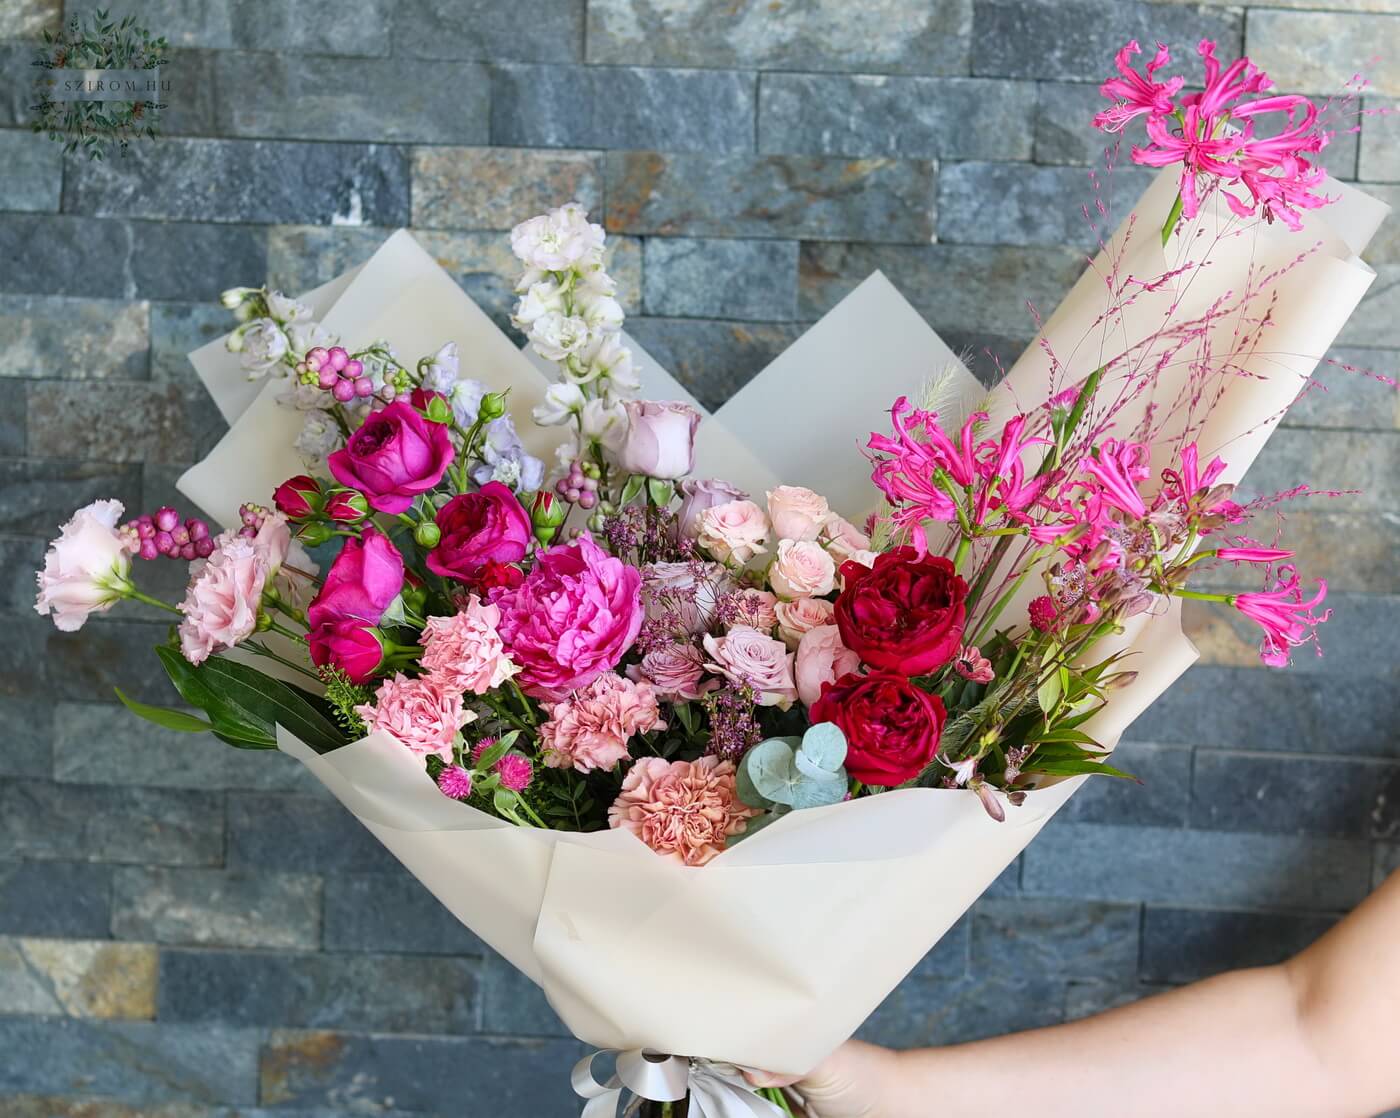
[[1287, 620], [516, 772], [455, 782], [1043, 615], [972, 665]]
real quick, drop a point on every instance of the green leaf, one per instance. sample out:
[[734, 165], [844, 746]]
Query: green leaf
[[488, 759], [824, 748], [165, 716], [687, 718], [660, 490], [632, 488], [1076, 768]]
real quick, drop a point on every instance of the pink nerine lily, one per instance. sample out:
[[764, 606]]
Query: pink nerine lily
[[1287, 620], [1116, 470], [1225, 85], [1195, 146], [1135, 94], [1253, 554]]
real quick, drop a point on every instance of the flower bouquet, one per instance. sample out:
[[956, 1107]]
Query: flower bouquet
[[715, 761]]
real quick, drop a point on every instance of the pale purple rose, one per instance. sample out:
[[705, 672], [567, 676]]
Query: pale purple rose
[[744, 655], [821, 658], [676, 672], [683, 593], [660, 439], [696, 497], [85, 570]]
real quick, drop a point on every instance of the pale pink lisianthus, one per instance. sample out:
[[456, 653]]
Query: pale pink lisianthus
[[86, 568], [797, 513], [821, 658], [802, 569], [224, 595], [465, 650], [422, 714], [733, 532], [591, 728], [802, 616], [746, 656], [684, 810], [676, 672]]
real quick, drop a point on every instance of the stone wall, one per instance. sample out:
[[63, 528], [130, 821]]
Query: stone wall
[[191, 932]]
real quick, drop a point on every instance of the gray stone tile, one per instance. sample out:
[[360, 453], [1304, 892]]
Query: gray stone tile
[[259, 181], [21, 667], [1380, 139], [29, 19], [1340, 157], [932, 1011], [192, 102], [712, 359], [307, 26], [745, 280], [191, 23], [178, 260], [113, 421], [78, 978], [508, 1076], [890, 36], [382, 993], [391, 912], [1347, 393], [1074, 40], [299, 834], [51, 254], [1034, 205], [1087, 999], [136, 752], [512, 1005], [1372, 324], [951, 956], [101, 824], [320, 97], [108, 653], [13, 438], [1309, 713], [1364, 465], [797, 196], [1008, 882], [1168, 866], [1187, 944], [622, 107], [1028, 937], [177, 329], [216, 908], [527, 31], [1387, 861], [970, 288], [52, 898], [497, 188], [81, 339], [1161, 800], [1337, 796], [37, 496], [1311, 533], [28, 722], [1321, 50], [1064, 130], [136, 1062], [33, 171], [921, 118]]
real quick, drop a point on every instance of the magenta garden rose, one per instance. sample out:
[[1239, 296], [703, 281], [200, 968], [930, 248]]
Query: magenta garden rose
[[362, 583], [573, 618], [395, 455], [478, 528]]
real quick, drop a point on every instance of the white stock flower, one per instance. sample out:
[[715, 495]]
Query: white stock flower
[[440, 373], [286, 309], [540, 299], [263, 346], [307, 335], [319, 436], [603, 313], [604, 421], [606, 358], [594, 282], [556, 337], [560, 402], [558, 240]]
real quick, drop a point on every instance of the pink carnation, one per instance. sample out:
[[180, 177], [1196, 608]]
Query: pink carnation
[[573, 618], [465, 650], [221, 604], [423, 714], [746, 656], [685, 810], [590, 729]]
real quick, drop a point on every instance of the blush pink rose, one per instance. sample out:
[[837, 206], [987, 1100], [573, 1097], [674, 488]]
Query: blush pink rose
[[573, 617], [684, 810], [676, 672], [422, 714], [744, 655], [755, 608], [843, 539], [821, 658], [591, 728], [733, 532], [797, 513], [802, 616], [465, 650], [802, 569], [221, 604], [85, 569], [660, 439]]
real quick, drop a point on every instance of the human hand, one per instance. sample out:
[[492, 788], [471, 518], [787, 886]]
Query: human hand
[[853, 1082]]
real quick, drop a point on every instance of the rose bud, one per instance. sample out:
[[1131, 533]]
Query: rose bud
[[660, 440], [314, 534], [298, 497], [547, 514], [354, 646], [493, 406], [347, 506]]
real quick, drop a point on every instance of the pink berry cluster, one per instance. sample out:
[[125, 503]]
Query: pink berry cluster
[[340, 374], [251, 517], [577, 487], [161, 533]]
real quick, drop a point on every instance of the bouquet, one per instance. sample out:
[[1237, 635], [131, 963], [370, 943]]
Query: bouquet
[[701, 756]]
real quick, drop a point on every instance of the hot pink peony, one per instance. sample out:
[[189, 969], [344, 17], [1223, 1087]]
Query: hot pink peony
[[746, 656], [685, 810], [221, 604], [85, 570], [465, 650], [572, 619], [590, 729], [423, 714]]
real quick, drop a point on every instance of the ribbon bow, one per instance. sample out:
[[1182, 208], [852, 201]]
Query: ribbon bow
[[716, 1090]]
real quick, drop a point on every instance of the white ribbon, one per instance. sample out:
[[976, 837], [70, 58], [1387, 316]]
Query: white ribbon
[[716, 1090]]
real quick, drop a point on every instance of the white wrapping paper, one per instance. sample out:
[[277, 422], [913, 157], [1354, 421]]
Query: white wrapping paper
[[779, 948]]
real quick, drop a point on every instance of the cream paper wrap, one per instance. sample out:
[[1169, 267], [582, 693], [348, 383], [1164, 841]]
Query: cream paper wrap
[[778, 949]]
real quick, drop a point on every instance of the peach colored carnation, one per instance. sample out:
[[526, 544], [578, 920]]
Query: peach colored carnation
[[802, 616], [465, 650], [590, 729], [684, 810], [423, 714]]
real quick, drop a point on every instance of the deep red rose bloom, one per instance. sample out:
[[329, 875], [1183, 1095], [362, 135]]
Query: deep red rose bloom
[[905, 614], [892, 727], [394, 456], [479, 528]]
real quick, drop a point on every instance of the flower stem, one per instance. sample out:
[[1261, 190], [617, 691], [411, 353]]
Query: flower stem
[[263, 650], [1197, 595], [960, 556], [1172, 218], [137, 596]]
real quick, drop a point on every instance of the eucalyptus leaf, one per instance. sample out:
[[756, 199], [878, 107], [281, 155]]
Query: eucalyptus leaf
[[818, 792], [770, 766], [824, 747], [809, 772]]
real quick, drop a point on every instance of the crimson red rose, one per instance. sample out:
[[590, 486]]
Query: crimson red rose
[[892, 727], [478, 528], [905, 613]]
